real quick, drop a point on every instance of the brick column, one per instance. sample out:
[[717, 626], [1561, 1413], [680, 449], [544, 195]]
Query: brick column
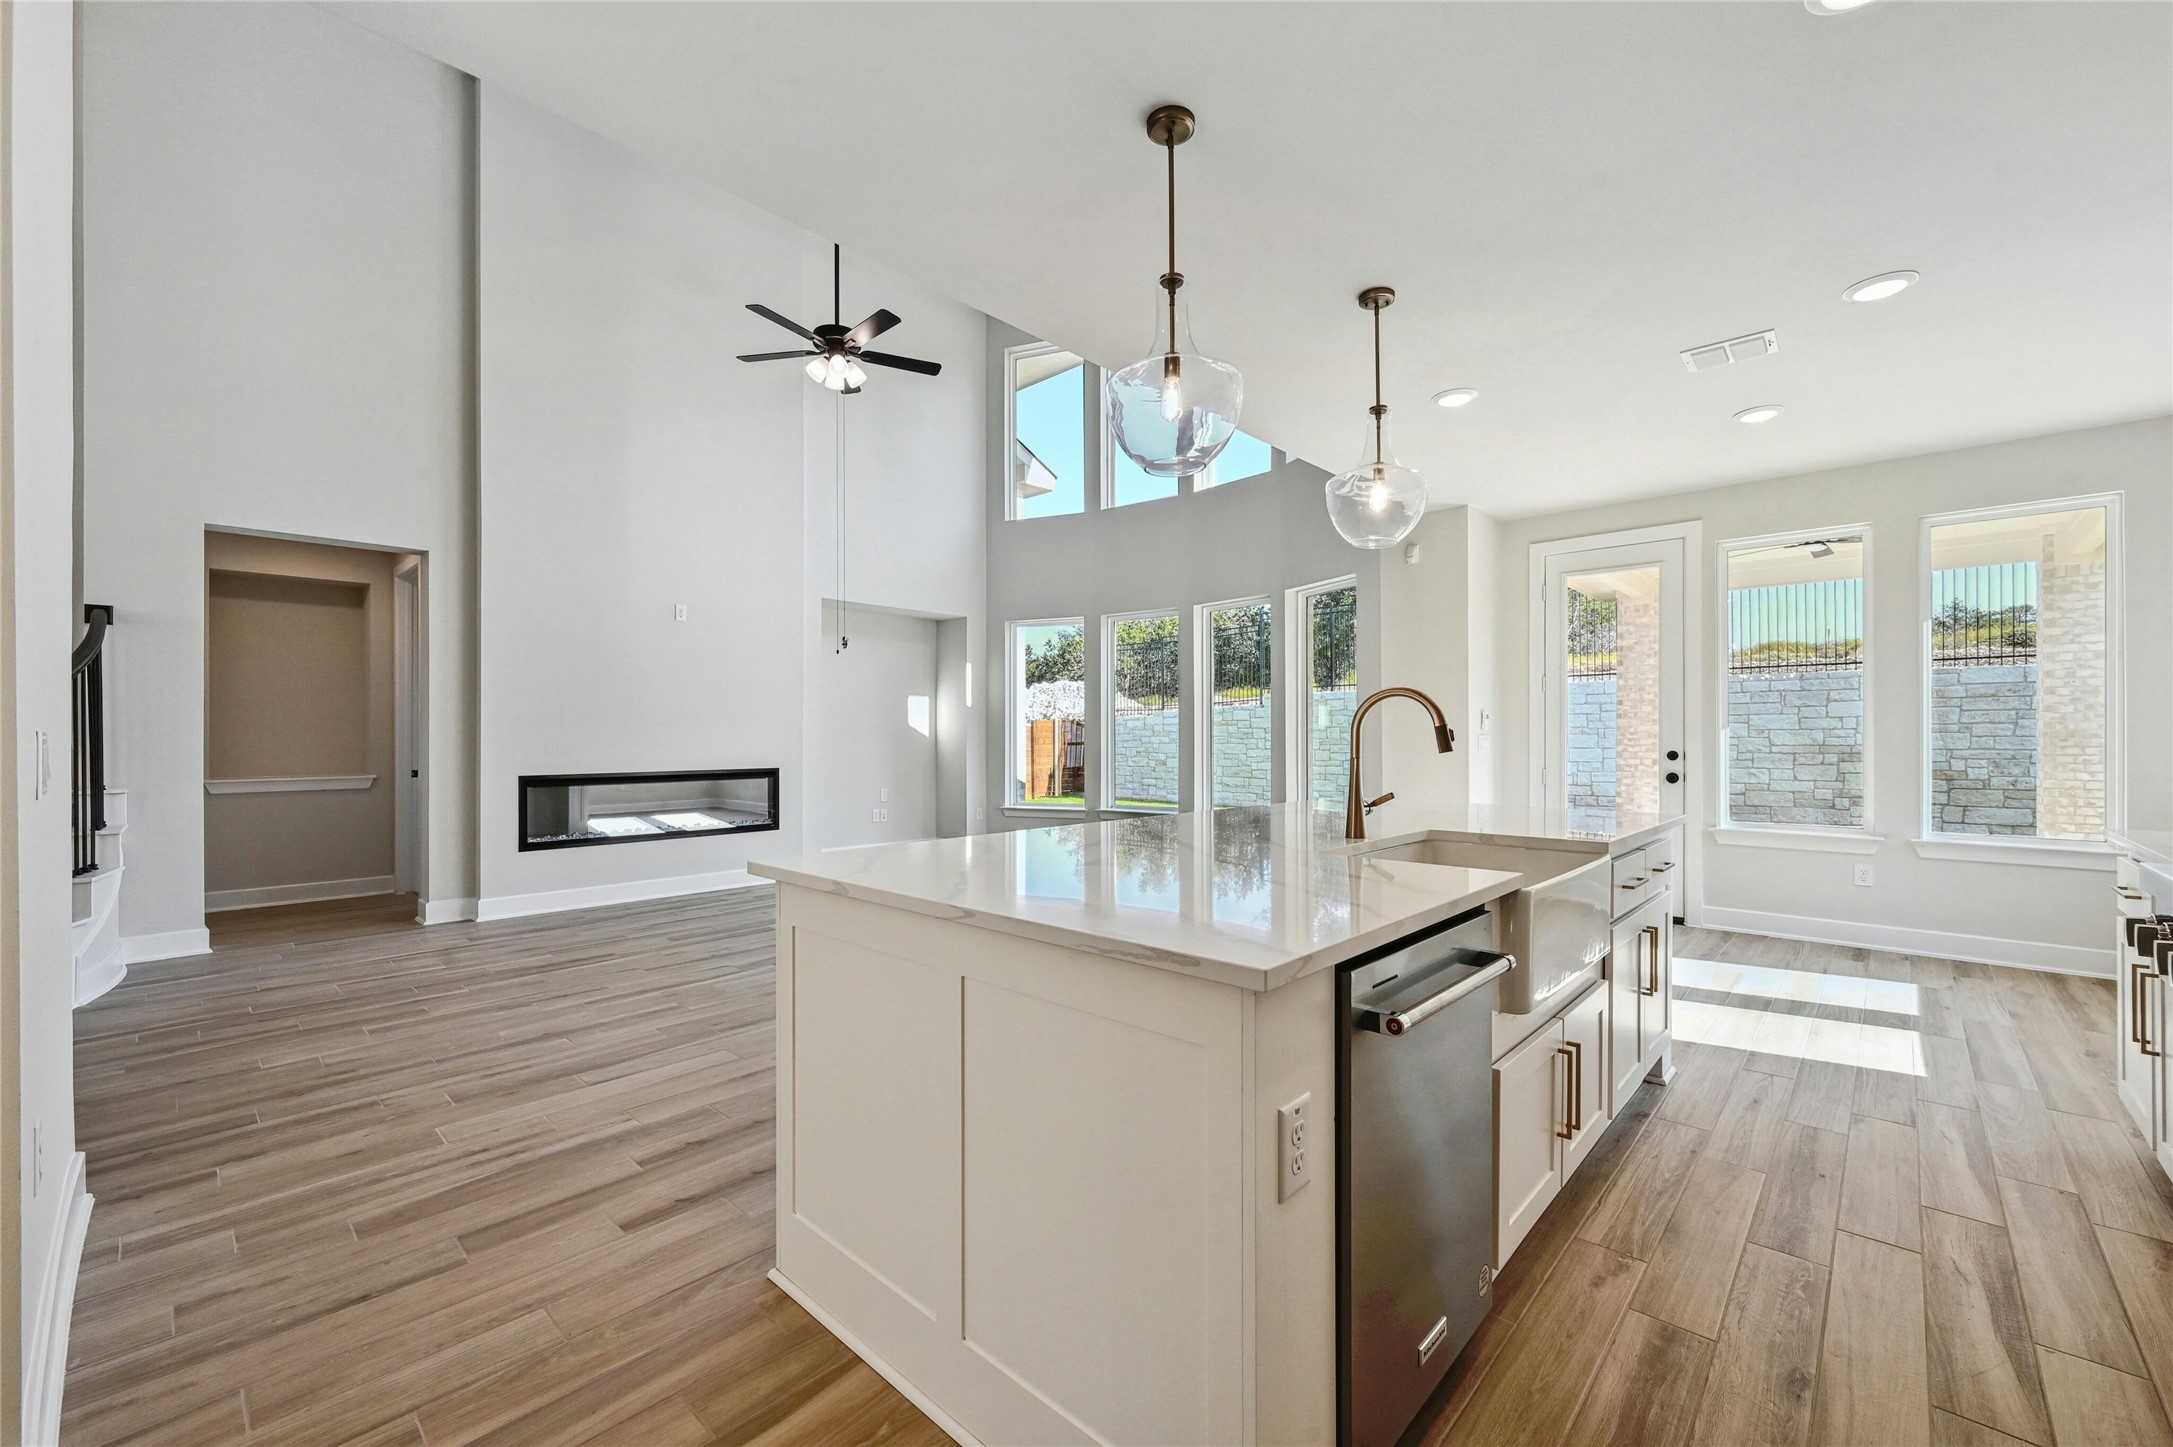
[[2071, 696]]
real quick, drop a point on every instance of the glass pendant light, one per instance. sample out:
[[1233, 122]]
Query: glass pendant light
[[1378, 502], [1173, 410]]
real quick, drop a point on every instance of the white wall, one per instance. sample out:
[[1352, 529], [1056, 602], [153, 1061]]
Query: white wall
[[1256, 537], [274, 299], [865, 743], [631, 464], [46, 1208], [2056, 915]]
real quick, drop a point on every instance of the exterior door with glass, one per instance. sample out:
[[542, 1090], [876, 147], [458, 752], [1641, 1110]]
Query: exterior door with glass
[[1613, 730]]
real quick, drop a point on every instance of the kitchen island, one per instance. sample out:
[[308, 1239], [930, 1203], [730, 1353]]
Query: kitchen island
[[1029, 1153]]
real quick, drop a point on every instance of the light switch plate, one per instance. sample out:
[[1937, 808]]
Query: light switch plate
[[1295, 1151]]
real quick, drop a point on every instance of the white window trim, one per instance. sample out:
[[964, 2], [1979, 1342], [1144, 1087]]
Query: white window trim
[[1979, 846], [1109, 804], [1848, 838], [2092, 854], [1298, 707], [1012, 357], [1203, 707], [1813, 838], [1014, 689]]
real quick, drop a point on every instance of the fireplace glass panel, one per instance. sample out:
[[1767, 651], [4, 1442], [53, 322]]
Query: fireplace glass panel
[[560, 811]]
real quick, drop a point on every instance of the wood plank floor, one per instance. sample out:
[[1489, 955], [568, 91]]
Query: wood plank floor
[[363, 1183], [1887, 1200], [511, 1183]]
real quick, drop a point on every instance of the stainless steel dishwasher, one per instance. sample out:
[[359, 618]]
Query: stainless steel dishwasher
[[1414, 1169]]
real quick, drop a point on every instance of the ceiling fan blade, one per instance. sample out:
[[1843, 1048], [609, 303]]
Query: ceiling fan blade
[[784, 321], [903, 364], [778, 356], [878, 322]]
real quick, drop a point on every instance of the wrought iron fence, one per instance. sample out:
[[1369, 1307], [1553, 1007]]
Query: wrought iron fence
[[1796, 626], [1985, 614], [1239, 654], [1334, 642], [1595, 644], [1145, 665]]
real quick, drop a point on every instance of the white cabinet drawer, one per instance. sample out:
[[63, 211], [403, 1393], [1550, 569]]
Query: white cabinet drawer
[[1633, 880], [1662, 858]]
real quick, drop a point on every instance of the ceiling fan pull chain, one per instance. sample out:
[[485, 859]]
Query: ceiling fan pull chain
[[843, 641]]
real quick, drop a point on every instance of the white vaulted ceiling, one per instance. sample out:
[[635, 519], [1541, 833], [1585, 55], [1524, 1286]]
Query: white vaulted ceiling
[[1565, 196]]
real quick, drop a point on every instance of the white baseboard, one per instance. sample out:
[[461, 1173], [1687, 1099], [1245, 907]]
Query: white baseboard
[[216, 900], [45, 1350], [883, 1369], [514, 906], [1938, 944], [139, 949], [447, 911]]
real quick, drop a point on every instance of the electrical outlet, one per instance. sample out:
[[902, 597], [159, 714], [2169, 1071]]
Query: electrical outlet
[[1294, 1157], [875, 816], [1863, 874], [679, 612], [980, 815], [884, 795]]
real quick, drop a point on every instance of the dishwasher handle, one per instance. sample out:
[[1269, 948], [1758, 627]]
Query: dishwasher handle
[[1396, 1022]]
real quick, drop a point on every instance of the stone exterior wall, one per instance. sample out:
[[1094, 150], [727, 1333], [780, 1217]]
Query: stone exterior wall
[[1143, 755], [1637, 704], [1592, 741], [1330, 761], [1244, 754], [1796, 746], [2071, 697], [1984, 749]]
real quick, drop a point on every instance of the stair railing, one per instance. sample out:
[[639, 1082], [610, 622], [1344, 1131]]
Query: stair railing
[[87, 771]]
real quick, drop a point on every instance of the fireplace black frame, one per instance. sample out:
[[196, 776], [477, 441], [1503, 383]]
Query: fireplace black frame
[[528, 781]]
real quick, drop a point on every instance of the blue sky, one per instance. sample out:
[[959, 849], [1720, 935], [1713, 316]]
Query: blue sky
[[1049, 421]]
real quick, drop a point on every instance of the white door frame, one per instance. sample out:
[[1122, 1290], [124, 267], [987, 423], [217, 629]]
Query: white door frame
[[410, 729], [1624, 548]]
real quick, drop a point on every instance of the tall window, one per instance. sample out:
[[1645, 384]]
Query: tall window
[[1795, 744], [1048, 714], [1051, 399], [2019, 683], [1243, 456], [1142, 693], [1241, 704], [1330, 622]]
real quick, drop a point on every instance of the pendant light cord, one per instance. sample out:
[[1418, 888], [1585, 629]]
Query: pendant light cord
[[1172, 278], [1379, 411], [843, 641]]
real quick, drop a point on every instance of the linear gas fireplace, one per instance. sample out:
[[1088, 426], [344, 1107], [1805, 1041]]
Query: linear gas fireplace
[[566, 811]]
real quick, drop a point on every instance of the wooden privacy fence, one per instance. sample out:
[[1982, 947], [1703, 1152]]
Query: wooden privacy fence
[[1055, 758]]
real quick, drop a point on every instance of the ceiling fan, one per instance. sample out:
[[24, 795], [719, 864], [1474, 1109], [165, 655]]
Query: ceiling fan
[[834, 359]]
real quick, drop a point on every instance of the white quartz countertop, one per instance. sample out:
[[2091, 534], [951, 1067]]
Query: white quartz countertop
[[1252, 897]]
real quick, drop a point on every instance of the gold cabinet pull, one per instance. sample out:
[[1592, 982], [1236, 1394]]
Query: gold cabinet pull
[[1568, 1130], [2135, 1005], [1576, 1086], [2143, 1016], [1653, 931]]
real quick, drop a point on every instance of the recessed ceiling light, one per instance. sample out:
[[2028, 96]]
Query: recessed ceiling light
[[1882, 286], [1765, 412], [1455, 397], [1834, 7]]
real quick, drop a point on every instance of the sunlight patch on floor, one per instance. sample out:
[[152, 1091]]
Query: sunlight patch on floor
[[1850, 992], [1875, 1047]]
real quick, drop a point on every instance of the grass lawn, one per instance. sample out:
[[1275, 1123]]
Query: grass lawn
[[1074, 801]]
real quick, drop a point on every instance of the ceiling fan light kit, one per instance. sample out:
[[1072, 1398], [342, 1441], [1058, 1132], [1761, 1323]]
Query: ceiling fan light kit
[[1176, 408], [837, 352], [1377, 503]]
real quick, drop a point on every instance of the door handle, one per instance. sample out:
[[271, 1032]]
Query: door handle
[[1568, 1131], [1396, 1022]]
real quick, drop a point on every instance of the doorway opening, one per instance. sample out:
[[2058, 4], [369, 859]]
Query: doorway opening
[[314, 735], [888, 747]]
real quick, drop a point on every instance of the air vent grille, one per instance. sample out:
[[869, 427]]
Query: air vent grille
[[1735, 349]]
